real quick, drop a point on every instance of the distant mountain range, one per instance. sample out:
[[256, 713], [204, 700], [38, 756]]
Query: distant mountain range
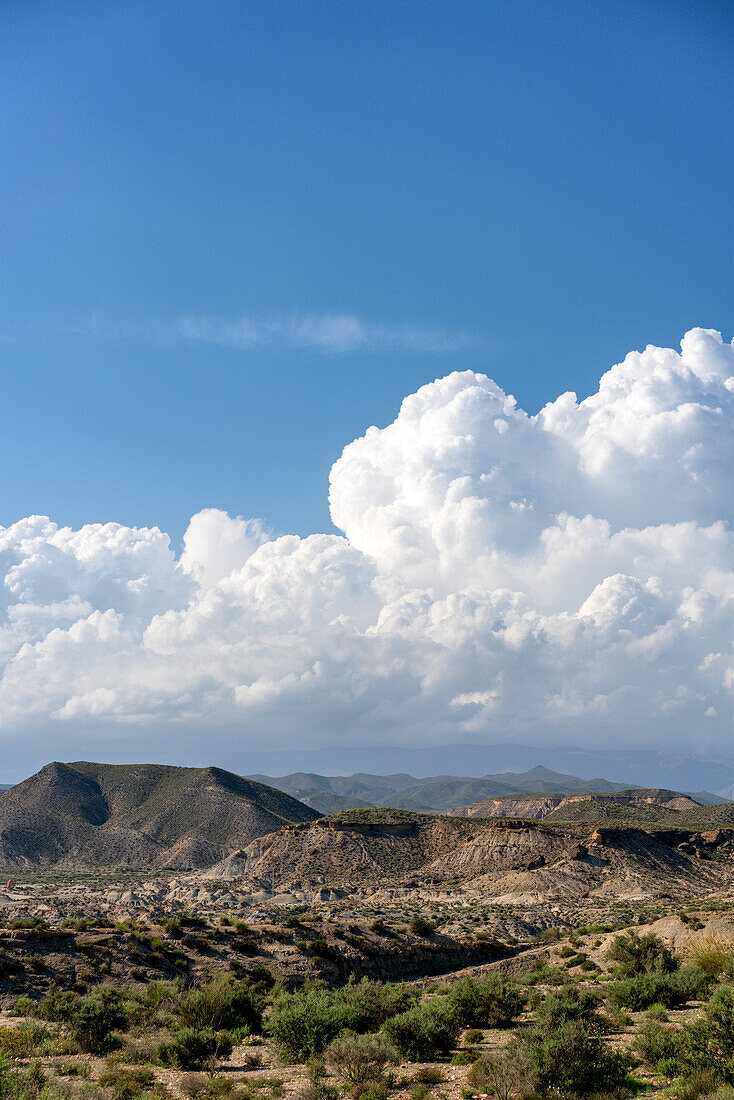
[[655, 768], [435, 794], [83, 815]]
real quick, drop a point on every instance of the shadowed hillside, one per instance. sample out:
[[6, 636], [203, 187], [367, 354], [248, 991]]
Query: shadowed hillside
[[85, 815]]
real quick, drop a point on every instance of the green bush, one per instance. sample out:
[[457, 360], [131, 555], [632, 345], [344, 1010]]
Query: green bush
[[303, 1024], [192, 1049], [635, 954], [713, 955], [95, 1018], [485, 1002], [658, 1045], [57, 1005], [24, 1006], [357, 1059], [366, 1005], [708, 1043], [126, 1082], [692, 984], [567, 1004], [421, 926], [638, 993], [573, 1058], [23, 1041], [221, 1004], [424, 1032]]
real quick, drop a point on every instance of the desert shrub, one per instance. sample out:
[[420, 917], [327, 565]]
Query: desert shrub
[[656, 1044], [423, 1032], [58, 1005], [23, 1041], [357, 1059], [24, 1006], [37, 923], [473, 1036], [657, 1012], [638, 993], [303, 1023], [635, 954], [712, 955], [95, 1018], [700, 1083], [504, 1074], [573, 1058], [140, 1050], [691, 983], [485, 1002], [192, 1049], [719, 1017], [708, 1043], [421, 926], [28, 1084], [74, 1069], [126, 1082], [366, 1005], [428, 1075], [618, 1017], [320, 948], [221, 1004], [569, 1003], [317, 1087]]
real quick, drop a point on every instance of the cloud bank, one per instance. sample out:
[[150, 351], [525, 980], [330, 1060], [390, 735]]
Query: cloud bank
[[567, 576]]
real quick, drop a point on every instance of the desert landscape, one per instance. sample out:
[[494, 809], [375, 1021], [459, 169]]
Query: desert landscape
[[189, 932]]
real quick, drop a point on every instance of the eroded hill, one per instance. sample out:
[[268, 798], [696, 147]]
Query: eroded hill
[[506, 861], [638, 805]]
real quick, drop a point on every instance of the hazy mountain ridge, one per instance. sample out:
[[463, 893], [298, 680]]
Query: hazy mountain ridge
[[674, 770], [434, 794]]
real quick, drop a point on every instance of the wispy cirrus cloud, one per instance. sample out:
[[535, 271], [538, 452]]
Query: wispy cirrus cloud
[[329, 333], [334, 333]]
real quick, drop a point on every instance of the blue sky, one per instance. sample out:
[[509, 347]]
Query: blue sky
[[195, 195]]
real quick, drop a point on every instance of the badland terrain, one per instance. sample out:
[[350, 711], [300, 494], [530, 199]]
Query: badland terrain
[[178, 932]]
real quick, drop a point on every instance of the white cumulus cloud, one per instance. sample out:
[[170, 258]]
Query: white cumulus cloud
[[498, 574]]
